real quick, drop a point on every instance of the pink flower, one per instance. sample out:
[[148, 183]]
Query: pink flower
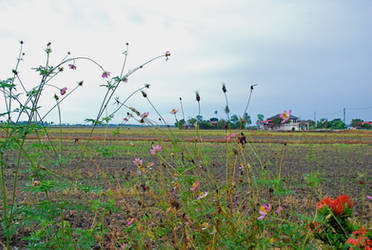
[[155, 149], [167, 55], [63, 91], [280, 208], [264, 210], [125, 119], [174, 111], [195, 186], [129, 222], [175, 188], [105, 74], [72, 66], [369, 197], [144, 115], [150, 165], [202, 195], [285, 116], [138, 162], [123, 246], [230, 136], [46, 138]]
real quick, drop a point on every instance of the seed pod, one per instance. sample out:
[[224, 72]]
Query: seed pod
[[224, 88], [197, 96]]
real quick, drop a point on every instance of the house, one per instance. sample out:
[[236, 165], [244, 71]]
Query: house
[[293, 124]]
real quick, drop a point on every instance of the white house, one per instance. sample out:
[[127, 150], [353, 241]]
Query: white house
[[293, 124]]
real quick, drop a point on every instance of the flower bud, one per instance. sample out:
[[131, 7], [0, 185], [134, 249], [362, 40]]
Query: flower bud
[[197, 96], [224, 88]]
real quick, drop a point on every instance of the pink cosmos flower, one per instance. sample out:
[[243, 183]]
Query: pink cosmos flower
[[144, 115], [155, 149], [167, 55], [168, 209], [202, 195], [188, 220], [46, 138], [138, 162], [105, 74], [195, 186], [72, 66], [63, 91], [129, 222], [280, 208], [230, 136], [369, 197], [264, 210], [285, 116], [174, 111], [150, 165], [175, 188]]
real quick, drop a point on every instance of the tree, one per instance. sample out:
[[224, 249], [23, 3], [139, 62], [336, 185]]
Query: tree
[[205, 125], [191, 121], [356, 122], [323, 123], [180, 124], [221, 124], [260, 118], [199, 118], [337, 124]]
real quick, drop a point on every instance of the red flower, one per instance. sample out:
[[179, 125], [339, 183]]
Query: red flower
[[337, 205], [345, 199], [325, 202]]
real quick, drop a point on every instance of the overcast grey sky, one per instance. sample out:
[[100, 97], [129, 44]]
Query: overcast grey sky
[[308, 56]]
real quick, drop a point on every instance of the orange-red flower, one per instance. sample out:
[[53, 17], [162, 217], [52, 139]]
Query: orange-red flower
[[325, 202], [359, 240], [337, 205]]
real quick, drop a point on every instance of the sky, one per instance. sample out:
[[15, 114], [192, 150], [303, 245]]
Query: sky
[[313, 57]]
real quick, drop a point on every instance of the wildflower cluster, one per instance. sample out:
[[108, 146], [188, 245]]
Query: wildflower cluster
[[337, 205], [333, 225], [360, 239]]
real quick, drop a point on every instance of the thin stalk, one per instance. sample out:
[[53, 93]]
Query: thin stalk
[[227, 108], [14, 74], [152, 105], [60, 167], [183, 114], [4, 196], [249, 99]]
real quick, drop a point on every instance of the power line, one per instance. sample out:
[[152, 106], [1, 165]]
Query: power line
[[369, 107]]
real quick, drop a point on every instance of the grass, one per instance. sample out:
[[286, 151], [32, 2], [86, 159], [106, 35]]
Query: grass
[[119, 176]]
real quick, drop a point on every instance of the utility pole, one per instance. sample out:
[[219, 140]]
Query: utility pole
[[315, 119], [344, 115]]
